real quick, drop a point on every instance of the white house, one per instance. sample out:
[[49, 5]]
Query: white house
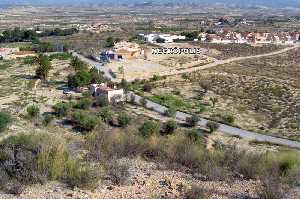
[[152, 38], [112, 94]]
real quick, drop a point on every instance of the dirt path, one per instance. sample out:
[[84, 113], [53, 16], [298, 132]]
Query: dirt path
[[221, 62]]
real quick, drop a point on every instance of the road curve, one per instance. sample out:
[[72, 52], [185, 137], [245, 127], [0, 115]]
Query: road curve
[[222, 127]]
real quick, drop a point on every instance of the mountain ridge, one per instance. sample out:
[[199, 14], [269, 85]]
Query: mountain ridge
[[240, 3]]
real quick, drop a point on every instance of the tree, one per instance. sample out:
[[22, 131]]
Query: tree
[[44, 67], [212, 126], [78, 65], [124, 84], [81, 78], [33, 111], [124, 119], [5, 120], [169, 127], [149, 128], [192, 121]]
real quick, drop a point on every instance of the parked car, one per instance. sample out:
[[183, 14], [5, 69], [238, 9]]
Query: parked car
[[67, 91]]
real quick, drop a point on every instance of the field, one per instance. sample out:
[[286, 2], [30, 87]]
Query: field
[[226, 51], [258, 94]]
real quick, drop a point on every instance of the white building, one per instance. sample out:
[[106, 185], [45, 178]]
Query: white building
[[152, 38], [113, 95]]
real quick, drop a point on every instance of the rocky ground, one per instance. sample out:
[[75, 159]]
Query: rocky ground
[[146, 180]]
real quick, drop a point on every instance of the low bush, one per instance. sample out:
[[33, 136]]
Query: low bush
[[42, 157], [147, 87], [102, 101], [169, 127], [143, 102], [61, 109], [5, 120], [85, 120], [212, 126], [33, 111], [228, 119], [124, 119], [149, 128], [48, 119], [84, 103], [106, 114], [192, 121], [171, 112]]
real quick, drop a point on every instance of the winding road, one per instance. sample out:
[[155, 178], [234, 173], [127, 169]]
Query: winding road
[[222, 127], [180, 116]]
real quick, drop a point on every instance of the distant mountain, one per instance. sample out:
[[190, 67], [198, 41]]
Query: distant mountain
[[240, 3]]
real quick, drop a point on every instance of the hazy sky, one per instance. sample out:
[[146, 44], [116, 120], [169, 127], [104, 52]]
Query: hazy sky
[[239, 2]]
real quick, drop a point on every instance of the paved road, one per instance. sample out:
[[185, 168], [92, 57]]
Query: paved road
[[221, 62], [222, 128], [95, 64]]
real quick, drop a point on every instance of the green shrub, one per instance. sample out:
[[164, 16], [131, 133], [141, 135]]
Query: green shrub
[[5, 120], [149, 128], [183, 151], [85, 120], [143, 102], [106, 114], [42, 157], [212, 126], [169, 127], [48, 119], [124, 119], [192, 121], [102, 101], [84, 103], [228, 119], [61, 109], [60, 56], [171, 112], [33, 111]]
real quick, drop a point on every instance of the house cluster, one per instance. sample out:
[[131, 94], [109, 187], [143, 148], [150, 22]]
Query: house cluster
[[97, 28], [14, 53], [161, 38], [283, 38], [113, 95], [122, 50]]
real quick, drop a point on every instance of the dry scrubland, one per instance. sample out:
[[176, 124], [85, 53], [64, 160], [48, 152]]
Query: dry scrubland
[[261, 94], [86, 149], [226, 51]]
